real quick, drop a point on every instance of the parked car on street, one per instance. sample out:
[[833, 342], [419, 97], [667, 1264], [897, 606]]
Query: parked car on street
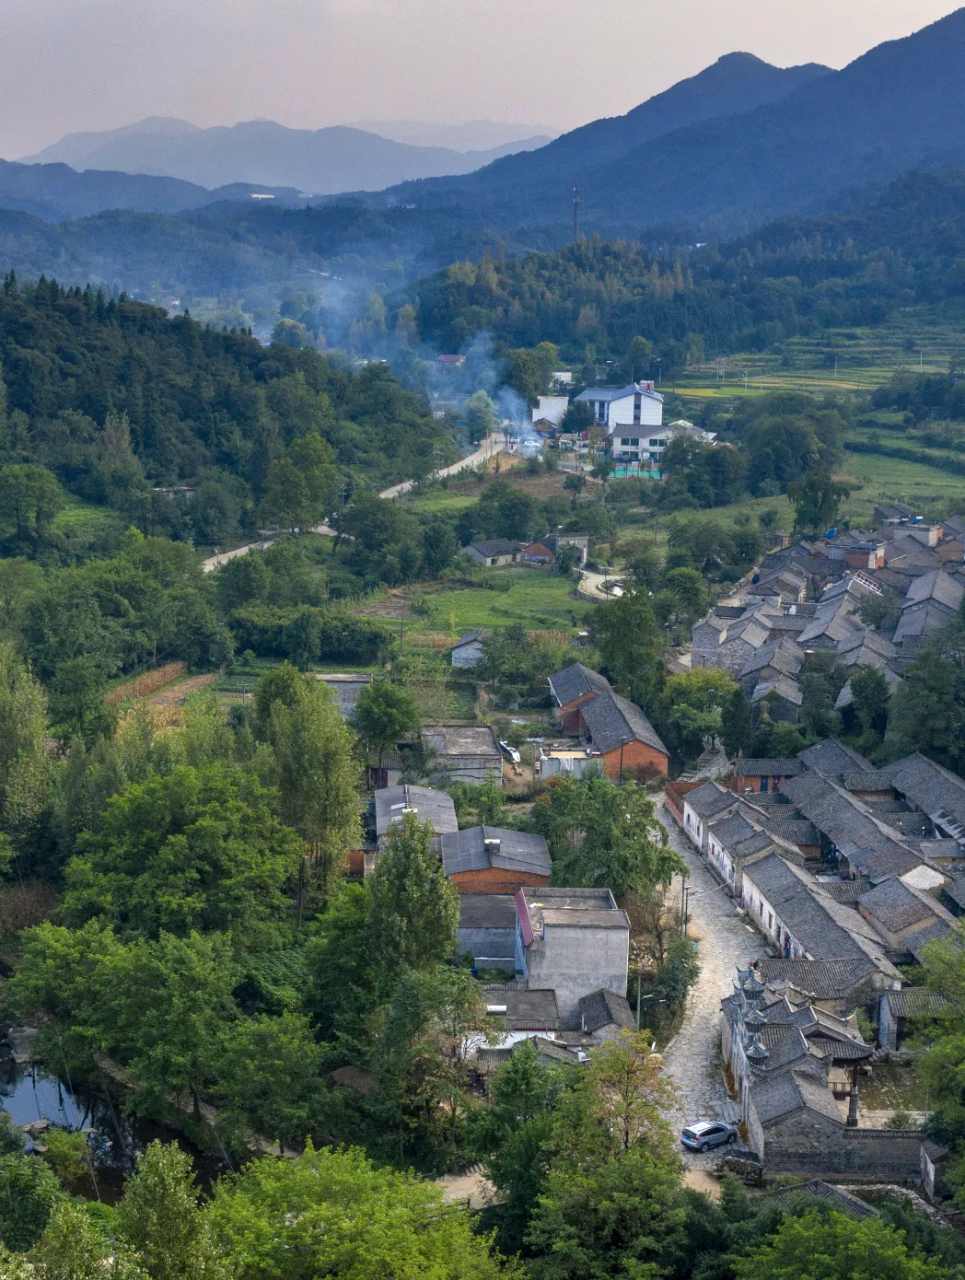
[[705, 1134]]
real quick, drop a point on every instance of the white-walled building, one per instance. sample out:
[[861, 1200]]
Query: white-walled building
[[551, 409]]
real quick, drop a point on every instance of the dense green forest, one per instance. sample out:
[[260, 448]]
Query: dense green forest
[[790, 278], [115, 400]]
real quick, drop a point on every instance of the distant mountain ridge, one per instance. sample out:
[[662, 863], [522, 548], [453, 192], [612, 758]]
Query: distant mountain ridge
[[735, 83], [898, 106], [317, 162]]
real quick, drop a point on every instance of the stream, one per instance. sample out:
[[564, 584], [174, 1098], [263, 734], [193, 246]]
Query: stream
[[30, 1093]]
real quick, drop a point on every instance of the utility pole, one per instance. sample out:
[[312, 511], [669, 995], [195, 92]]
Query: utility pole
[[577, 201]]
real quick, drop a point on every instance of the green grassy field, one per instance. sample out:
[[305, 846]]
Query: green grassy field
[[81, 522], [537, 599]]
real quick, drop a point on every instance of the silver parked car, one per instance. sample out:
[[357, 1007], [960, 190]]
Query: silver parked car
[[705, 1134]]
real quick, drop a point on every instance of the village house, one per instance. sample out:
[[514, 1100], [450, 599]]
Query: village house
[[389, 807], [494, 552], [702, 804], [570, 688], [766, 774], [899, 1010], [544, 550], [606, 1015], [495, 860], [625, 739], [468, 649], [463, 753], [573, 942]]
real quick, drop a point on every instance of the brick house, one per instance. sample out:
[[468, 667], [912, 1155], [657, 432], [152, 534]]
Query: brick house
[[764, 775], [624, 737], [495, 860], [570, 688]]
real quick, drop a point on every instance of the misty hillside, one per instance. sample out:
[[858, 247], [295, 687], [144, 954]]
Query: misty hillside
[[899, 106], [56, 192], [472, 135], [317, 162]]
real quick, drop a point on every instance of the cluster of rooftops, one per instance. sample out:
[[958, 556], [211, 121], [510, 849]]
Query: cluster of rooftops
[[806, 598], [837, 860]]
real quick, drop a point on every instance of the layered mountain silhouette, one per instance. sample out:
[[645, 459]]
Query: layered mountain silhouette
[[899, 106], [318, 162]]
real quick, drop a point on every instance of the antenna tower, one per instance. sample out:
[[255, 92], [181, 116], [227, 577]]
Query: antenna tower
[[577, 201]]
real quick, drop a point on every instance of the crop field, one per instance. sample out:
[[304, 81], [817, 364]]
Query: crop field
[[836, 360]]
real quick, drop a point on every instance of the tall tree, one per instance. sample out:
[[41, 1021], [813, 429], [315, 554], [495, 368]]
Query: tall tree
[[736, 727], [160, 1220], [333, 1213], [384, 715], [605, 835], [24, 765], [830, 1246], [631, 645], [318, 778], [817, 499], [414, 909]]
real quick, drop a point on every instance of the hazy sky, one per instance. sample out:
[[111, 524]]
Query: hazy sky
[[68, 65]]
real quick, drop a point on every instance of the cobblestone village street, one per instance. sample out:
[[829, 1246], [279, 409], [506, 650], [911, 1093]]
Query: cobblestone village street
[[693, 1056]]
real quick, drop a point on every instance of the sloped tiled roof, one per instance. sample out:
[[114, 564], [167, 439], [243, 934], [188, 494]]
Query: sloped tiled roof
[[916, 1002], [612, 721], [710, 798], [428, 805], [821, 979], [785, 1092], [835, 1198], [605, 1008], [576, 681], [482, 848], [496, 547], [770, 767]]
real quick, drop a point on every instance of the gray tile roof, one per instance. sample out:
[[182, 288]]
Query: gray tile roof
[[868, 780], [612, 721], [785, 1092], [471, 637], [482, 848], [847, 892], [496, 547], [709, 799], [821, 979], [835, 1198], [732, 830], [931, 788], [813, 920], [574, 682], [830, 757], [783, 655], [916, 1002], [783, 687], [784, 1044], [796, 831], [525, 1010], [487, 911], [938, 586], [933, 931], [426, 803], [841, 1050], [768, 767], [606, 1009]]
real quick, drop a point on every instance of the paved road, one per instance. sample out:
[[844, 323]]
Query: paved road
[[495, 444], [693, 1056]]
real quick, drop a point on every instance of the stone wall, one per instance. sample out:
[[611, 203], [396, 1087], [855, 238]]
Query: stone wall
[[815, 1145]]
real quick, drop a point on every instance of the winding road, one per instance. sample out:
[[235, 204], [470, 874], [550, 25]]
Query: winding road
[[495, 444]]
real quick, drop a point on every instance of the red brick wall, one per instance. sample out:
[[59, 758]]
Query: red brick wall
[[496, 880], [569, 714], [636, 757]]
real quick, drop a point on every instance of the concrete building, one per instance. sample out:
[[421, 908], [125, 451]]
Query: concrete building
[[468, 649], [567, 762], [487, 930], [345, 689], [463, 753], [392, 804], [551, 409], [495, 860], [637, 405], [571, 941]]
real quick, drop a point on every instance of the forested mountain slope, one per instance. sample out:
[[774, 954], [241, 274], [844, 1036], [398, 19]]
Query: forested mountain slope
[[793, 276]]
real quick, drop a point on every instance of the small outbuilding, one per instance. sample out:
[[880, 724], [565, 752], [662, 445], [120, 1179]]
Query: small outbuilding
[[495, 860]]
